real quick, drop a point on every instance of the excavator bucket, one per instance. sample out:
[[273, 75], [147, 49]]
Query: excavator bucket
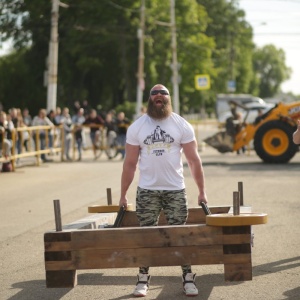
[[221, 141]]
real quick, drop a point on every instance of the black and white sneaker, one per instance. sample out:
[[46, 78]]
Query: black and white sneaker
[[189, 287], [142, 285]]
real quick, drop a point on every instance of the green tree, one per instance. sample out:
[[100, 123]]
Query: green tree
[[193, 47], [18, 81], [270, 69], [97, 46], [233, 37], [98, 50]]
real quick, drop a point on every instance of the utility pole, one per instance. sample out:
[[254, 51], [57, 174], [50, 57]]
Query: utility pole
[[140, 73], [53, 58], [175, 77]]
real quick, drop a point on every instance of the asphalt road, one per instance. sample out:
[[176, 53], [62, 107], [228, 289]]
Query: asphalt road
[[27, 195]]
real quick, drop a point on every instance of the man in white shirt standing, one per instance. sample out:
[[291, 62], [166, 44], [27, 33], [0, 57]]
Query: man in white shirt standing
[[155, 141]]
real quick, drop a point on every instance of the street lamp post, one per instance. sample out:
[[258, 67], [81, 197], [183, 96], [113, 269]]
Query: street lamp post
[[140, 74], [53, 59], [175, 77]]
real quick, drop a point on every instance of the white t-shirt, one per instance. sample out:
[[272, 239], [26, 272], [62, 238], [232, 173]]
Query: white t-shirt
[[160, 142]]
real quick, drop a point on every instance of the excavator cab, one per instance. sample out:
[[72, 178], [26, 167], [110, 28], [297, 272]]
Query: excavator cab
[[224, 140]]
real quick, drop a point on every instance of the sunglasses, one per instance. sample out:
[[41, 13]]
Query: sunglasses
[[162, 92]]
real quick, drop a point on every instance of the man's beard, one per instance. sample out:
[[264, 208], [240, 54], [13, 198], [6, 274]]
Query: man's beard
[[159, 112]]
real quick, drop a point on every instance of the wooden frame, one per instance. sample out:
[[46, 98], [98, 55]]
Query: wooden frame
[[76, 248]]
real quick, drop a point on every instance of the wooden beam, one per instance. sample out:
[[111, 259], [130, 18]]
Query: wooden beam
[[122, 238], [124, 258], [134, 246], [196, 216], [61, 279], [112, 242], [172, 256], [238, 272]]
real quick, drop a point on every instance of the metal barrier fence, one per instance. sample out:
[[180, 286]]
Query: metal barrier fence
[[32, 141], [35, 141]]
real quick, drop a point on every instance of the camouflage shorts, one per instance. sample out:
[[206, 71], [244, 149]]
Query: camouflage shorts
[[149, 204]]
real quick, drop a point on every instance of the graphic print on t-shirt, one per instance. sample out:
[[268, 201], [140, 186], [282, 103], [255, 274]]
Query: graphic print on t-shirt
[[158, 142]]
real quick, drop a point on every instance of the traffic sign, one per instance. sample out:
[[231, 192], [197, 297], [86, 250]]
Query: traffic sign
[[202, 82], [231, 86]]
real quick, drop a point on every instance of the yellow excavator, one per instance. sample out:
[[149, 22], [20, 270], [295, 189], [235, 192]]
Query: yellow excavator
[[271, 134]]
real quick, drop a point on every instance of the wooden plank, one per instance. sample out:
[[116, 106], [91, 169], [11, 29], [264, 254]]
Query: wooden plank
[[157, 236], [171, 256], [60, 265], [242, 219], [236, 239], [57, 246], [61, 279], [160, 236], [130, 219], [111, 243], [238, 272], [103, 208], [58, 256], [195, 216], [237, 258], [57, 236], [128, 258], [237, 229], [236, 249]]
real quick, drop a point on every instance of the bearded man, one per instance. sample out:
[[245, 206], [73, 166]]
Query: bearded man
[[161, 183]]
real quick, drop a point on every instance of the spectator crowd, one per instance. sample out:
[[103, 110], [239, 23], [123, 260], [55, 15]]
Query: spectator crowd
[[66, 127]]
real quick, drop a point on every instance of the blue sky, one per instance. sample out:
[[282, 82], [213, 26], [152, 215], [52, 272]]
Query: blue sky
[[277, 22]]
